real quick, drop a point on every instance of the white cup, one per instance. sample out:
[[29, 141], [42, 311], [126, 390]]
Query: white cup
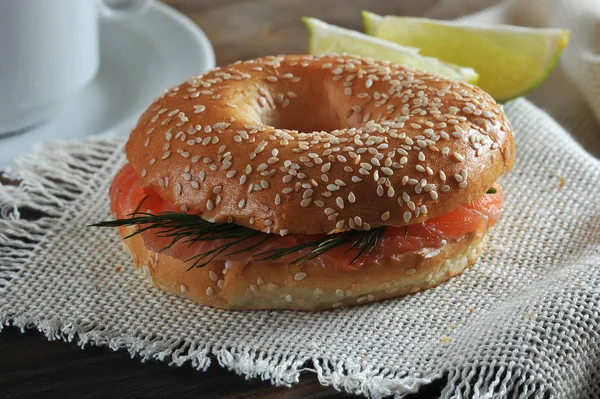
[[49, 50]]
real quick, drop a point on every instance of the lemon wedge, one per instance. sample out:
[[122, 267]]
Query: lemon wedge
[[510, 60], [326, 38]]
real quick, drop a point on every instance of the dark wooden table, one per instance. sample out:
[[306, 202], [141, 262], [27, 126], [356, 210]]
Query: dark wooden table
[[31, 366]]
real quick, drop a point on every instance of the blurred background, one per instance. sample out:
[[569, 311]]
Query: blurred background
[[274, 26]]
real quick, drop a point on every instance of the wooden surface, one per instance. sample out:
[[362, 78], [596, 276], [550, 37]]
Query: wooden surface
[[31, 366], [243, 29]]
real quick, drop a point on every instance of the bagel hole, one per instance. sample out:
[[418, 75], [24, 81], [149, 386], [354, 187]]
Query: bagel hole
[[306, 116], [305, 121]]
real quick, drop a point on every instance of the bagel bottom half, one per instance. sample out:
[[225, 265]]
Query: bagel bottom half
[[311, 287]]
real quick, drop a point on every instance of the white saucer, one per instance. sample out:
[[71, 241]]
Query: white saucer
[[140, 58]]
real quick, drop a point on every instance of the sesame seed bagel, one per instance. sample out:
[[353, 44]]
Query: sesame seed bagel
[[319, 144], [309, 287]]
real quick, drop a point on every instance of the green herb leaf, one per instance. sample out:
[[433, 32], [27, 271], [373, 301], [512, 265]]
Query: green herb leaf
[[491, 191], [188, 228]]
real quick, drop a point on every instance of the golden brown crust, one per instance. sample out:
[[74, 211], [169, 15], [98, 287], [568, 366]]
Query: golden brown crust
[[260, 285], [399, 146]]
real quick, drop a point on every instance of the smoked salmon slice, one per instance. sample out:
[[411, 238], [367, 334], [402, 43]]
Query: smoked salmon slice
[[126, 194]]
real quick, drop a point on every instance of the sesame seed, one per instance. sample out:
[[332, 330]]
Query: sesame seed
[[305, 202], [210, 291], [385, 216], [209, 205], [458, 156], [339, 202], [300, 276], [407, 216]]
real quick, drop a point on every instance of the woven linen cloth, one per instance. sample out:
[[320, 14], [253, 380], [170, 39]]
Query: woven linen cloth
[[523, 322]]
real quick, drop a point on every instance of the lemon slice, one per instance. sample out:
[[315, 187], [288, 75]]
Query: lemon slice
[[510, 60], [326, 38]]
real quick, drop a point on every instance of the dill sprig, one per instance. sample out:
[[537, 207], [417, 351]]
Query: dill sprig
[[363, 241], [189, 228]]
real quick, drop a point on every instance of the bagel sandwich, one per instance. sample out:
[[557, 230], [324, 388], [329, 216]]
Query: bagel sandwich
[[311, 182]]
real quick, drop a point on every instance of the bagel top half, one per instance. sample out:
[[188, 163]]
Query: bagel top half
[[309, 144]]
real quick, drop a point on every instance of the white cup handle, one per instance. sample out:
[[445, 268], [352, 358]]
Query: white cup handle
[[116, 9]]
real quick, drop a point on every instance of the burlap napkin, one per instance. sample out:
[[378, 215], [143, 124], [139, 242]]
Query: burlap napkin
[[524, 320]]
